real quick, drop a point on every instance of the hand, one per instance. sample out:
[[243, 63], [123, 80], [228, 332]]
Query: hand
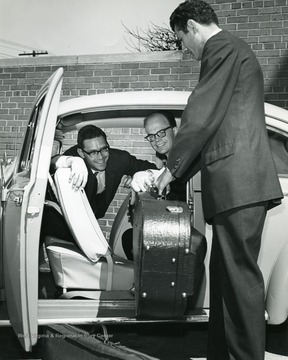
[[143, 180], [79, 173], [163, 180]]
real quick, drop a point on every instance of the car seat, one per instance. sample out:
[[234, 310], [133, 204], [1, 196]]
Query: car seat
[[91, 265]]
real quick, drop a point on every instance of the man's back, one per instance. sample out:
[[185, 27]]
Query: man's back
[[228, 129], [237, 164]]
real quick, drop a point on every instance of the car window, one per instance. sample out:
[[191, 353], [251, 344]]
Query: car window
[[279, 147], [30, 137]]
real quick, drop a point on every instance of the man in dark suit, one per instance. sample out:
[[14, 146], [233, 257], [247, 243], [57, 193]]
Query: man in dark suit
[[97, 168], [161, 129], [104, 167], [223, 133]]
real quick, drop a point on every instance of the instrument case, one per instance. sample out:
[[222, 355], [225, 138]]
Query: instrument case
[[168, 257]]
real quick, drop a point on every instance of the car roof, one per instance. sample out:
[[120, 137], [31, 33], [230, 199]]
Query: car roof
[[128, 109]]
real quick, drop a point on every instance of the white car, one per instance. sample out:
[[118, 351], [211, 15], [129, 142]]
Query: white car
[[23, 191]]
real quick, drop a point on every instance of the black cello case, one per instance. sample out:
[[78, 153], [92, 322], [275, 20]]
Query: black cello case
[[168, 257]]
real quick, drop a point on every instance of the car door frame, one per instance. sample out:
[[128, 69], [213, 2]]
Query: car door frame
[[23, 211]]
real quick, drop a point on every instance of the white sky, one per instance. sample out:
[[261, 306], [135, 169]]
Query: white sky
[[76, 27]]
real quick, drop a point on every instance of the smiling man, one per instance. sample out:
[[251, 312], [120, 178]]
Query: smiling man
[[99, 168], [161, 129]]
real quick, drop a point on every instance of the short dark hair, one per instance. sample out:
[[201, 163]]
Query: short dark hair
[[89, 132], [167, 114], [197, 10]]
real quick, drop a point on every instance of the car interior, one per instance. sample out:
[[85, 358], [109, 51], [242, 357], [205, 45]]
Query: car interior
[[79, 268], [90, 264]]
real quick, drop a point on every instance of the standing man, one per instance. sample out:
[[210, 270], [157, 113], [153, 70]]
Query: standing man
[[223, 128]]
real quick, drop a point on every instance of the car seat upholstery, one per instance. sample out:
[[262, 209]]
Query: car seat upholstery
[[90, 265]]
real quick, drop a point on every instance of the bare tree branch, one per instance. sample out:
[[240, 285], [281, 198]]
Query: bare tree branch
[[155, 38]]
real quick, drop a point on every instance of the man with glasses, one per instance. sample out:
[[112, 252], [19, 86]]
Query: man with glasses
[[161, 129], [99, 168]]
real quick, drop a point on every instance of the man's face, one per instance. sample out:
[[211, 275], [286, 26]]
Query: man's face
[[91, 153], [191, 40], [161, 144]]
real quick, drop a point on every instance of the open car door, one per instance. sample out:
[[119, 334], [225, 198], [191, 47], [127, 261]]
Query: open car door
[[23, 213], [6, 172]]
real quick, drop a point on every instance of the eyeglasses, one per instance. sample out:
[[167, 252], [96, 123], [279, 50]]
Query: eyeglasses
[[161, 133], [94, 153]]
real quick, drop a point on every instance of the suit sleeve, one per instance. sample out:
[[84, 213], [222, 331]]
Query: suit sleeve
[[128, 164], [72, 151], [134, 165], [206, 106]]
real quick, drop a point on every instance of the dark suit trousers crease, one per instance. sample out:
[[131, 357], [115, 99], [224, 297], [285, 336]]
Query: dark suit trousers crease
[[237, 308]]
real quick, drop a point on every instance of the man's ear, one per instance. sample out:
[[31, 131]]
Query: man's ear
[[80, 152], [192, 26], [175, 130]]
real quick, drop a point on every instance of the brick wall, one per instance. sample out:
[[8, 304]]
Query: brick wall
[[263, 24]]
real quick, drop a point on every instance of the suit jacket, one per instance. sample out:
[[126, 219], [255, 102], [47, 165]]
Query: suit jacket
[[223, 130], [177, 187], [120, 163]]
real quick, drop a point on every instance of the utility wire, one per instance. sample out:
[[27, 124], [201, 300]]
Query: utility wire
[[7, 55], [16, 47], [10, 47], [19, 46]]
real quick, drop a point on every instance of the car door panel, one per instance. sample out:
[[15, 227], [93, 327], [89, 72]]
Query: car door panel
[[23, 213]]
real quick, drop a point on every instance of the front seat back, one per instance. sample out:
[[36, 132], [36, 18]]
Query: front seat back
[[80, 217], [90, 265]]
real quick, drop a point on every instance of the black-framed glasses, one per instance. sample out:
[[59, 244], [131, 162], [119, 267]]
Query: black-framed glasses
[[161, 133], [94, 153]]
